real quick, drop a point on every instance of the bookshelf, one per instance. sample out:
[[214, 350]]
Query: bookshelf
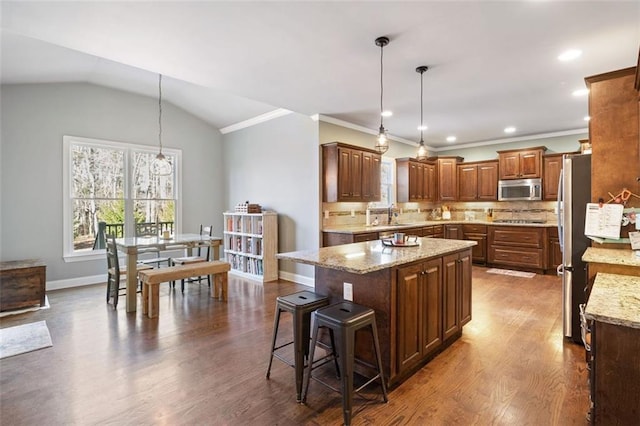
[[251, 243]]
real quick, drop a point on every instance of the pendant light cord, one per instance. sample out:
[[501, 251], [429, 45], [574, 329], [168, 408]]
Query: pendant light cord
[[421, 103], [160, 111], [381, 85]]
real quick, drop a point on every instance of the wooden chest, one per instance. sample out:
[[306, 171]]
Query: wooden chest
[[22, 284]]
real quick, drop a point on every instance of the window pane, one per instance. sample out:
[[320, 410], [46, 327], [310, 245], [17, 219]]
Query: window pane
[[87, 216], [97, 172], [152, 217], [146, 185]]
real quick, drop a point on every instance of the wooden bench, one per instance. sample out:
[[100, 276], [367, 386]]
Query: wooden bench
[[152, 278]]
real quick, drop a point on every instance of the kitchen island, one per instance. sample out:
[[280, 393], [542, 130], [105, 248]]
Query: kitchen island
[[421, 295]]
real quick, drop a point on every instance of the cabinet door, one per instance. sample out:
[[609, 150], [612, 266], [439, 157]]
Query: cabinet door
[[479, 252], [488, 181], [530, 164], [509, 165], [447, 180], [450, 288], [356, 175], [370, 177], [467, 182], [552, 168], [464, 276], [344, 173], [413, 181], [429, 183], [431, 286], [453, 232], [409, 306]]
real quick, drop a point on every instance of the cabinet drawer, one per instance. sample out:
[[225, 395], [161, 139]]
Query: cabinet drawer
[[516, 236], [522, 256], [474, 229], [369, 236]]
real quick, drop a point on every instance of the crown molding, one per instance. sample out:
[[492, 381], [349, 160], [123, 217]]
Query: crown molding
[[342, 123], [255, 120], [516, 139]]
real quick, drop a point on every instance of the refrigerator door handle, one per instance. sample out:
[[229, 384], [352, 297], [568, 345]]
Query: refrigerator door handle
[[560, 210]]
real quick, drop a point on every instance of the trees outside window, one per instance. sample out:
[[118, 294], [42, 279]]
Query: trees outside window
[[110, 183]]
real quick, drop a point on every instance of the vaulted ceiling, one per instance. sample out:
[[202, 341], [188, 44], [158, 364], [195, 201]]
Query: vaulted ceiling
[[491, 64]]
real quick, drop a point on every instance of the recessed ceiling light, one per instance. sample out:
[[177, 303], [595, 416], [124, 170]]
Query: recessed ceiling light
[[451, 138], [569, 55], [424, 127], [386, 113], [580, 92], [509, 129], [586, 118]]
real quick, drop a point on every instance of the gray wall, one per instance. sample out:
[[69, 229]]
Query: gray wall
[[34, 119], [276, 164]]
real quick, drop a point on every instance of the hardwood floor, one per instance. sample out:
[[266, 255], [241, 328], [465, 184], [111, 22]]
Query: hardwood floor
[[204, 362]]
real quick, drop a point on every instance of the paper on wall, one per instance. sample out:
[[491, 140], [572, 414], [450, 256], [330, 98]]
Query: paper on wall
[[603, 221]]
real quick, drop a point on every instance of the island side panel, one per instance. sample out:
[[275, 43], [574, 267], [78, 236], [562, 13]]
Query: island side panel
[[374, 290]]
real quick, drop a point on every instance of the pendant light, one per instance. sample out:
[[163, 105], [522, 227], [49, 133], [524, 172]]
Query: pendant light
[[382, 143], [422, 151], [160, 166]]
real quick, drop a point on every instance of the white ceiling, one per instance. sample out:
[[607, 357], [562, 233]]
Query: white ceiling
[[492, 64]]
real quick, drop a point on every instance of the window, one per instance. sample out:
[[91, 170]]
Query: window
[[108, 186], [387, 189]]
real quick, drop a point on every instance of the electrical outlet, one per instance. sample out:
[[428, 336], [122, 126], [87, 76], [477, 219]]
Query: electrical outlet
[[353, 213], [326, 214], [347, 291], [418, 210], [400, 211]]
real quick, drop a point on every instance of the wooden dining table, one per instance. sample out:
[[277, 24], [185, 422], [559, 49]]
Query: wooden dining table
[[132, 246]]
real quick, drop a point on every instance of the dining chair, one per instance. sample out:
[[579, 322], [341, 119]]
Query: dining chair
[[203, 254], [151, 230], [115, 272]]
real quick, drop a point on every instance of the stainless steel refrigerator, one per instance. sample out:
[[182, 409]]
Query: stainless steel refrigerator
[[574, 192]]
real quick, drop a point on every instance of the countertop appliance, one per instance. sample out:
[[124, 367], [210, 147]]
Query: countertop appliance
[[520, 189], [574, 192]]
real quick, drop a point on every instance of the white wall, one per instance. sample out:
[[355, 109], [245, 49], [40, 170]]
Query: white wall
[[34, 119], [275, 164]]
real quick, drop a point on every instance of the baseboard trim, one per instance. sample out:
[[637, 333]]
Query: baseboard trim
[[76, 282], [298, 279]]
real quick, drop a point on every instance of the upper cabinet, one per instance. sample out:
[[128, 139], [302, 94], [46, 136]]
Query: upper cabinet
[[416, 180], [350, 173], [614, 109], [521, 163], [552, 168], [448, 178], [478, 181]]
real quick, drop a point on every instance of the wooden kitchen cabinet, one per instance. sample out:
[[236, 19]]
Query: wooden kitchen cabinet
[[521, 163], [419, 298], [435, 231], [517, 246], [614, 133], [456, 288], [478, 181], [554, 250], [447, 168], [350, 173], [552, 166], [338, 238], [477, 233], [416, 180], [453, 232]]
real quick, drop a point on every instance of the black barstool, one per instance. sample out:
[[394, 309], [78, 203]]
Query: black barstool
[[300, 305], [343, 320]]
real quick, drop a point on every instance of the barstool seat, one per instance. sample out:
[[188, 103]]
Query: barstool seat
[[343, 320], [300, 305]]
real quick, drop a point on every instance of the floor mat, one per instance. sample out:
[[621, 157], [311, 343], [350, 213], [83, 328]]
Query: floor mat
[[512, 273], [24, 338]]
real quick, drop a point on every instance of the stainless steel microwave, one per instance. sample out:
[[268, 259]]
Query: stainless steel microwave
[[520, 189]]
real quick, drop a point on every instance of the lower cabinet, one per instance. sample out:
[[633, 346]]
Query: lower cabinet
[[338, 238], [517, 246], [433, 302], [554, 250], [477, 233]]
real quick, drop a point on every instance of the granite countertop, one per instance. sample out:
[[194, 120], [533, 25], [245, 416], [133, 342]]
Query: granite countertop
[[611, 256], [370, 256], [357, 229], [615, 299]]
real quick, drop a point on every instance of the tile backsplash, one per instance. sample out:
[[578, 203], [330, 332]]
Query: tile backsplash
[[337, 214]]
